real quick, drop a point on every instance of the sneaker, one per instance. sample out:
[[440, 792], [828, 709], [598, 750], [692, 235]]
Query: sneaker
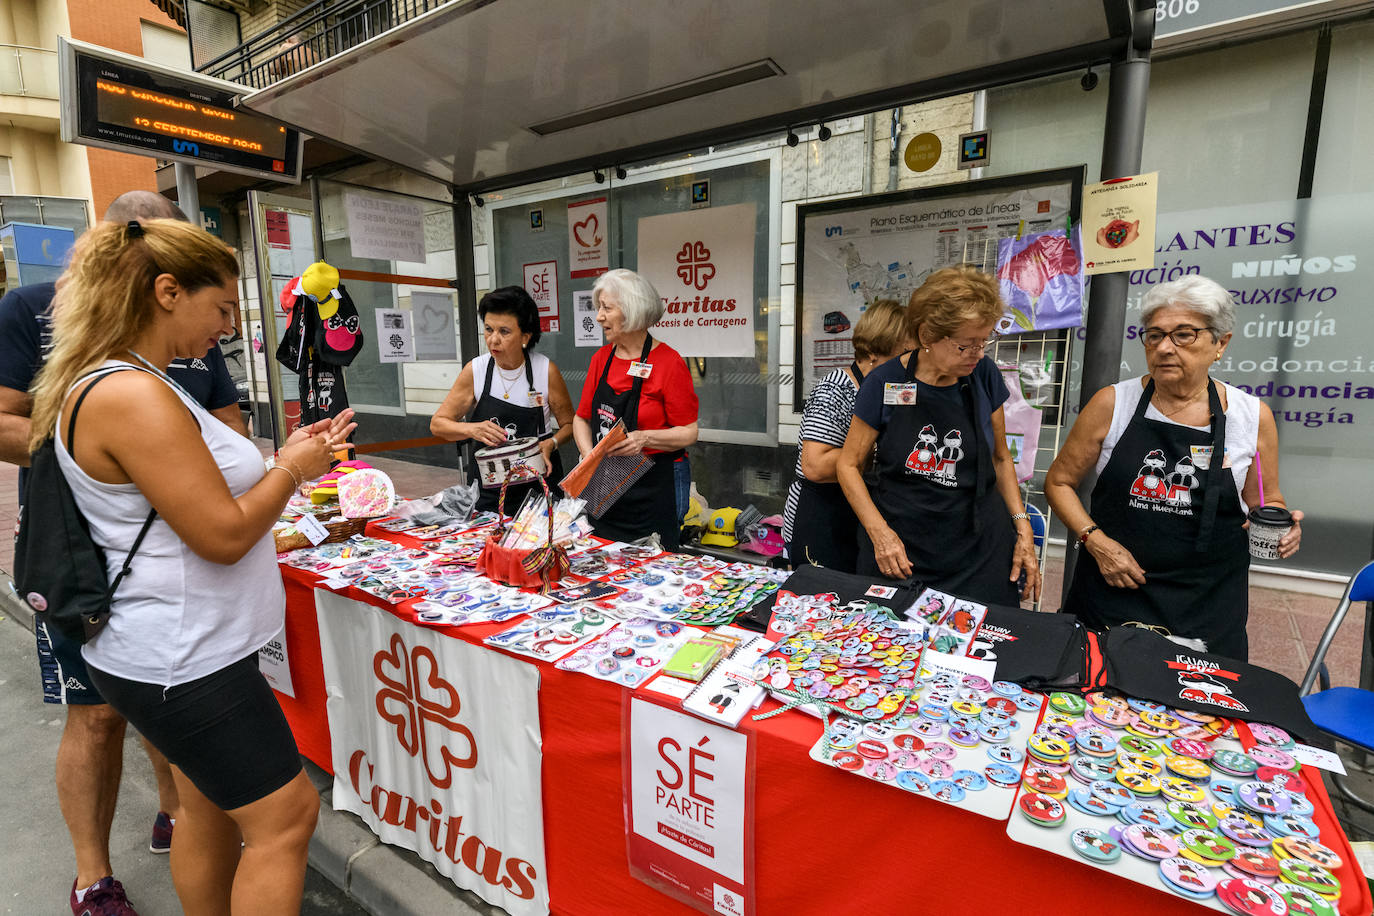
[[106, 898], [161, 843]]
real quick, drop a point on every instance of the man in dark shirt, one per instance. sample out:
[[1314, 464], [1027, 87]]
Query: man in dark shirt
[[90, 755]]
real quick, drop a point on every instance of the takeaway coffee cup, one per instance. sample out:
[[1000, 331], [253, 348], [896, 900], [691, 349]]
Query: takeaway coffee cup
[[1267, 525]]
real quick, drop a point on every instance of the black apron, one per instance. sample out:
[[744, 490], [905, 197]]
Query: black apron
[[519, 423], [650, 505], [825, 530], [1183, 528], [936, 488]]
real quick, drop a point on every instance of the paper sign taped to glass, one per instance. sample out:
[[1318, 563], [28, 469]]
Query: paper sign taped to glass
[[602, 478], [1041, 279]]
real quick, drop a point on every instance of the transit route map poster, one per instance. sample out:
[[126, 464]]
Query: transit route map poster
[[853, 252]]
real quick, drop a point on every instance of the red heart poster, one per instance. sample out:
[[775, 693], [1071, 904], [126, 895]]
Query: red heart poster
[[587, 233]]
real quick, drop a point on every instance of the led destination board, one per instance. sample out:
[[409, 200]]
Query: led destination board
[[119, 102]]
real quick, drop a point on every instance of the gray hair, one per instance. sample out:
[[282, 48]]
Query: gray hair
[[142, 205], [640, 303], [1197, 294]]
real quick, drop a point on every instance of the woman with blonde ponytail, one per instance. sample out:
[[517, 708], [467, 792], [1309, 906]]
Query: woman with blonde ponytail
[[178, 657]]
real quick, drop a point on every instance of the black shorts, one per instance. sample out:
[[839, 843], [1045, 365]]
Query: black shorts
[[225, 731]]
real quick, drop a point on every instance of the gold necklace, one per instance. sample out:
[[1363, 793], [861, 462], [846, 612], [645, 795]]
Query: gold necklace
[[1186, 404], [506, 383]]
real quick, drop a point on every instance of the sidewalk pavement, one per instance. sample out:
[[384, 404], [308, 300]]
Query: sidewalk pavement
[[382, 879]]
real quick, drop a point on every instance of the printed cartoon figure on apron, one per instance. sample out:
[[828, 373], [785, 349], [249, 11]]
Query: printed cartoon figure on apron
[[950, 453], [923, 458], [1181, 483], [1149, 482]]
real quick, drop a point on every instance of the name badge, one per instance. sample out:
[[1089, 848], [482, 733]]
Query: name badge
[[902, 395], [536, 398], [639, 370], [1202, 457]]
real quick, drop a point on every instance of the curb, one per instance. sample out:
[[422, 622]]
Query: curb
[[11, 605], [384, 880]]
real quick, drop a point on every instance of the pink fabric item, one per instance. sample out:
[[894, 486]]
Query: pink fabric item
[[1039, 263]]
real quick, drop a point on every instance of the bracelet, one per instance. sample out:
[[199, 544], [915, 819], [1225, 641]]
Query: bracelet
[[1020, 515], [295, 478], [1084, 535]]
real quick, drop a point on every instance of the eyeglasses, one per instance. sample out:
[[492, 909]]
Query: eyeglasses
[[1184, 336], [982, 346]]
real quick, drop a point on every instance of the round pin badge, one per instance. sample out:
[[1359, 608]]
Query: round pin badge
[[1134, 744], [1180, 789], [873, 750], [1309, 850], [1249, 897], [1188, 768], [1027, 702], [1140, 763], [1188, 875], [1234, 762], [1244, 831], [1068, 703], [1088, 770], [1271, 735], [1141, 784], [1005, 706], [1006, 688], [1207, 845], [937, 769], [1263, 797], [1095, 845], [847, 760], [1256, 864], [947, 791], [1188, 747], [963, 737], [881, 770], [994, 734], [909, 742], [1081, 798], [1110, 793], [1191, 817], [1272, 757], [1282, 778], [999, 774], [1149, 841], [969, 781], [1300, 804], [1151, 813], [1309, 876], [1290, 824], [913, 780], [1041, 809], [1006, 754], [1302, 902], [1044, 780]]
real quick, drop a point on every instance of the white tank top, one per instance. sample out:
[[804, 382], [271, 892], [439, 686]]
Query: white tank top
[[177, 617], [1242, 427], [519, 391]]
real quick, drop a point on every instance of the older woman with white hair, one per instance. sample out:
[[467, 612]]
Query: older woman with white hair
[[1180, 459], [645, 383]]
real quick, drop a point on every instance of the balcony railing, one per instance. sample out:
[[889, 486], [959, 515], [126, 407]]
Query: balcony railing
[[26, 71], [317, 32]]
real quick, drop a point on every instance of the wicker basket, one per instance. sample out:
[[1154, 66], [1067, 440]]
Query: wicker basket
[[339, 528], [541, 567]]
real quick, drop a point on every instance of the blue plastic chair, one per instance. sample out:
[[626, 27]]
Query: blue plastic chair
[[1037, 520], [1346, 713]]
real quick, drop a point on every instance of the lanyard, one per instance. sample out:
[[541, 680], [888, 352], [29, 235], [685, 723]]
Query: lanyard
[[160, 374]]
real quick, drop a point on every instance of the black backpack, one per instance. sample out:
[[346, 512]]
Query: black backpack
[[59, 569]]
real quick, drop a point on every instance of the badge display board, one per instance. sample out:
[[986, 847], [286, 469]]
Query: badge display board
[[853, 252], [1058, 839]]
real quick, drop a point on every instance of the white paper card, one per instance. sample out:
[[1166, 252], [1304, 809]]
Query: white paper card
[[1310, 756], [310, 526]]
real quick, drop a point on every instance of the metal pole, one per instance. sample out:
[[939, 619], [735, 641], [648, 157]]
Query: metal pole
[[1122, 142], [465, 281], [188, 192]]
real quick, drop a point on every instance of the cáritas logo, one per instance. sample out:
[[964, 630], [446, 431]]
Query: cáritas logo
[[424, 708]]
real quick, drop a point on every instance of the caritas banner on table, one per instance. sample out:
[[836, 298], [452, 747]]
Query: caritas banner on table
[[690, 809], [436, 745], [702, 264]]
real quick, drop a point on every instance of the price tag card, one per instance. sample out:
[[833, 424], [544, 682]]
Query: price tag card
[[310, 526]]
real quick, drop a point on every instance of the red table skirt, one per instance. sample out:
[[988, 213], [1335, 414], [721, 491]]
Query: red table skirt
[[825, 840]]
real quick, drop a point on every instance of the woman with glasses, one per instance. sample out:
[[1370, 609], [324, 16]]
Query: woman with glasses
[[946, 510], [1175, 454]]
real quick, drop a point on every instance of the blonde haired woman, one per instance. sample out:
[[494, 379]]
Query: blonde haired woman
[[818, 525], [178, 657], [946, 510]]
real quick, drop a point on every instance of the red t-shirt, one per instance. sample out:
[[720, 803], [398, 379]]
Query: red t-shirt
[[667, 397]]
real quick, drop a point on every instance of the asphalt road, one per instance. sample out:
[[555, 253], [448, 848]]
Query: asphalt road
[[36, 864]]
